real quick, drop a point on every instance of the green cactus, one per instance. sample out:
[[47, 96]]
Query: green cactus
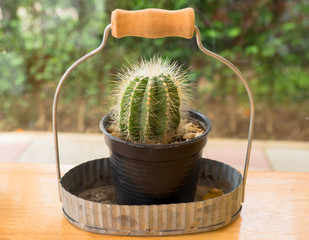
[[150, 101]]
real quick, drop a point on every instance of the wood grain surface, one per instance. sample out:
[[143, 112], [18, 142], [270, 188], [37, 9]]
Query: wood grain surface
[[153, 23], [276, 207]]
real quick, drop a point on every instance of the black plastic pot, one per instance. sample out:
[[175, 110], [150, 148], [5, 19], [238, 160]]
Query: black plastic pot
[[156, 174]]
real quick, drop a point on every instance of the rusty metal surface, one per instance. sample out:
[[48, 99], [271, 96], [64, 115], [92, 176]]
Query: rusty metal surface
[[106, 217]]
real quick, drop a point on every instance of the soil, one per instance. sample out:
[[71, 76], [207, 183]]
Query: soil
[[186, 131], [106, 194]]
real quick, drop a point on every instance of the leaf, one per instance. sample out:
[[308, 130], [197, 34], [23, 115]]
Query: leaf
[[252, 49], [288, 26], [212, 33], [233, 32], [213, 193], [17, 61], [268, 52]]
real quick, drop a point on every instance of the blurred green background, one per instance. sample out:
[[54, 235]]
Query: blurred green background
[[266, 39]]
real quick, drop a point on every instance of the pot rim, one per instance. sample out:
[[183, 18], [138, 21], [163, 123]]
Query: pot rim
[[193, 112]]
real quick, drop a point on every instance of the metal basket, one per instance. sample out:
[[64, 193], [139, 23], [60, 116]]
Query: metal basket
[[107, 217]]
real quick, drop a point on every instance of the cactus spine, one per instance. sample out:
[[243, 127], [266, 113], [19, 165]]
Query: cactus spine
[[150, 101]]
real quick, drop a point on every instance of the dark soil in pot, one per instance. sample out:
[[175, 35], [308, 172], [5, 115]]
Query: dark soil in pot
[[156, 174]]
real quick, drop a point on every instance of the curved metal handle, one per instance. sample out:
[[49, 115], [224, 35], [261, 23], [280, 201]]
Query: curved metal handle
[[56, 97], [245, 83], [203, 49]]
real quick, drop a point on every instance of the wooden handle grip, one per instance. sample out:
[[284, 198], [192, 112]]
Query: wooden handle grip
[[153, 23]]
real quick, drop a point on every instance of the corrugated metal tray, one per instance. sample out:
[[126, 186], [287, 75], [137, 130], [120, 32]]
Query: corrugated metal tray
[[89, 203]]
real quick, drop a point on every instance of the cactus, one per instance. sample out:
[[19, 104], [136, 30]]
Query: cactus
[[150, 101]]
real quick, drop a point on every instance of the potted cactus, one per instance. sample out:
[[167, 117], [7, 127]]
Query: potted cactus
[[152, 158]]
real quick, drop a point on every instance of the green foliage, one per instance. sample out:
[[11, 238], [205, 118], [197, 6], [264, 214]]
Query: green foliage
[[13, 78], [39, 40]]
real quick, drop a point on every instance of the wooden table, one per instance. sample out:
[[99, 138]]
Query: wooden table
[[276, 207]]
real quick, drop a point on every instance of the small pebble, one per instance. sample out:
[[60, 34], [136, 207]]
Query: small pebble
[[189, 135], [213, 193], [116, 134], [198, 134]]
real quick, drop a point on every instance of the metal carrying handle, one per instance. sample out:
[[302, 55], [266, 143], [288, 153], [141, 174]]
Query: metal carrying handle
[[56, 97], [168, 30], [246, 85]]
